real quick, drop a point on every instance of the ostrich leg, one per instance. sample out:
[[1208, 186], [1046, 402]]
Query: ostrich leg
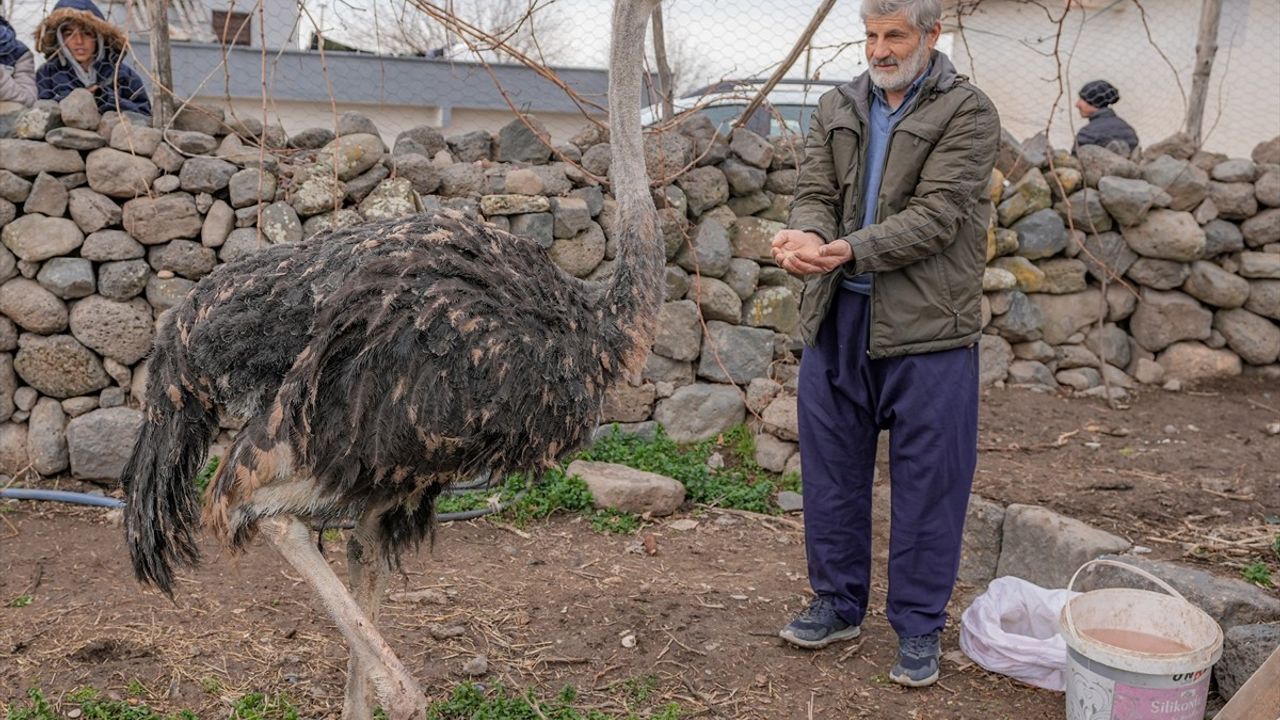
[[367, 570], [396, 689]]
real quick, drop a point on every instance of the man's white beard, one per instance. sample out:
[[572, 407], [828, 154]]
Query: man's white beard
[[900, 77]]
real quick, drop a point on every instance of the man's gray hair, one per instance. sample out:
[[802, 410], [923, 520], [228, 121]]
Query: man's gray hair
[[923, 14]]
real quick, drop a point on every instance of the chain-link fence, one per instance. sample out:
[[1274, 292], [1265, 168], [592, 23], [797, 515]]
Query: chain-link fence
[[405, 62]]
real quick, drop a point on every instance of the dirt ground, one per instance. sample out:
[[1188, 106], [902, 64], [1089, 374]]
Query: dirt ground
[[1191, 476]]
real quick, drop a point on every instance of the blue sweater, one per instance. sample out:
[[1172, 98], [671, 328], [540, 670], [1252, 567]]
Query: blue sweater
[[55, 80]]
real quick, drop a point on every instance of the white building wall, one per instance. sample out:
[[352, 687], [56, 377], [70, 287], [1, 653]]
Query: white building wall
[[1007, 48]]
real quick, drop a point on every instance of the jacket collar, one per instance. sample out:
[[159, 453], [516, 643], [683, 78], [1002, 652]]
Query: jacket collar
[[939, 78]]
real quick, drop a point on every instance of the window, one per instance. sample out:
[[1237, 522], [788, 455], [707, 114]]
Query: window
[[233, 28]]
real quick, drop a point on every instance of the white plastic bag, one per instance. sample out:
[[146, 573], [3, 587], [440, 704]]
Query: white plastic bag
[[1012, 629]]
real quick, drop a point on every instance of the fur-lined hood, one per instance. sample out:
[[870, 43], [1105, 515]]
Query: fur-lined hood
[[85, 13]]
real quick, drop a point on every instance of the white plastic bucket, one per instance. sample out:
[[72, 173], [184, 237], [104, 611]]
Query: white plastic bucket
[[1162, 674]]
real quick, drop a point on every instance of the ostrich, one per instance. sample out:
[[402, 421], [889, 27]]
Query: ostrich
[[375, 365]]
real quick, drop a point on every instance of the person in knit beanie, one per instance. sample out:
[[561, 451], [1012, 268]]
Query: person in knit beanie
[[17, 71], [84, 50], [1104, 127]]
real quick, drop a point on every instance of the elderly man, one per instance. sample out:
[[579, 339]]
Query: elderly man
[[1104, 128], [888, 228]]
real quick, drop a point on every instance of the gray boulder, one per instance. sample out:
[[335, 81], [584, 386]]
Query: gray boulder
[[123, 279], [183, 257], [280, 223], [1085, 212], [349, 156], [107, 245], [1235, 201], [521, 141], [250, 186], [709, 251], [1244, 649], [32, 307], [1045, 548], [995, 358], [1127, 200], [1030, 372], [1159, 274], [1222, 236], [772, 307], [48, 196], [1262, 229], [47, 437], [99, 442], [426, 141], [205, 174], [1229, 601], [1212, 285], [472, 146], [578, 255], [121, 331], [705, 188], [679, 333], [30, 158], [35, 238], [1260, 265], [120, 174], [1167, 235], [1041, 234], [1163, 318], [700, 411], [1192, 362], [59, 366], [67, 277], [1107, 255], [716, 300], [152, 221], [1264, 298], [1066, 315], [740, 353], [618, 487], [91, 210], [1254, 338], [1022, 322], [1186, 184], [666, 154]]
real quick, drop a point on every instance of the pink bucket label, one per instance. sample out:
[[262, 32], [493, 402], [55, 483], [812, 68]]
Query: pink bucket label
[[1143, 703]]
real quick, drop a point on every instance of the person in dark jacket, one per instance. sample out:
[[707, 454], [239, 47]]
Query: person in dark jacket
[[889, 227], [17, 71], [86, 51], [1104, 128]]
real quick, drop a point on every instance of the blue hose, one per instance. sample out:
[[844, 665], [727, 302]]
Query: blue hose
[[76, 498]]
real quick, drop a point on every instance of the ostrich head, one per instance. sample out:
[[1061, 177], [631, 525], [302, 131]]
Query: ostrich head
[[635, 293]]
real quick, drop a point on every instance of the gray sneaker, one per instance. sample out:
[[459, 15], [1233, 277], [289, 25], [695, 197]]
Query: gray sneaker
[[917, 660], [818, 626]]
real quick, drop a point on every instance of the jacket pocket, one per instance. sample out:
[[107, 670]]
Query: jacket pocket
[[921, 131], [843, 139]]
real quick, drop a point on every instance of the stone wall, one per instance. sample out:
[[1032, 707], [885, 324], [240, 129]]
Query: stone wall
[[1188, 244], [107, 223]]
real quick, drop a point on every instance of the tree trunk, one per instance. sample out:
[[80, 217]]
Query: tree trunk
[[666, 93], [1206, 48], [161, 65]]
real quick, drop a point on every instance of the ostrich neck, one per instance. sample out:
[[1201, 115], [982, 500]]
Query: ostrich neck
[[635, 293]]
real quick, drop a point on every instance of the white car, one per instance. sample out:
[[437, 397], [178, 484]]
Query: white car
[[787, 108]]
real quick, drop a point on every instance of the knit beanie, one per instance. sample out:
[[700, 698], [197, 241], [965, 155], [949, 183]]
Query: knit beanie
[[1099, 93]]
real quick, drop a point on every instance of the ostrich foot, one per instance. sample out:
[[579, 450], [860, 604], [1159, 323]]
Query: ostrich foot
[[397, 691]]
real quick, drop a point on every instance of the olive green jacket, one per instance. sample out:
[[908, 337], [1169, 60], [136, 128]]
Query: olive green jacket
[[928, 246]]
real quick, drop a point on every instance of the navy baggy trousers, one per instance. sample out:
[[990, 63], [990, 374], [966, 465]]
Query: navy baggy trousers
[[929, 405]]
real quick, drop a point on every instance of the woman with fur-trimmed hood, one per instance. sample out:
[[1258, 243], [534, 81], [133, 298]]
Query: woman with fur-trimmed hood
[[86, 51]]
